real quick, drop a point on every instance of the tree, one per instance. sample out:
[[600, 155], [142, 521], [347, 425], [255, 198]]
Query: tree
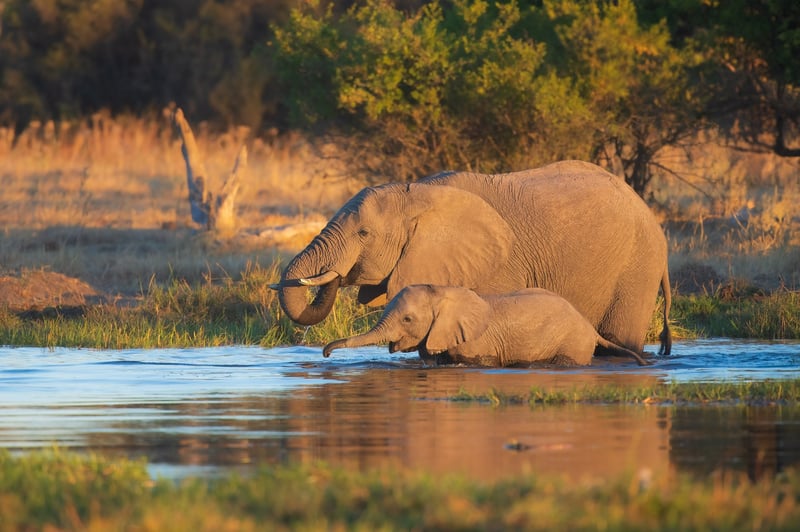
[[751, 50], [637, 85], [494, 86], [759, 47], [65, 59], [213, 212], [455, 88]]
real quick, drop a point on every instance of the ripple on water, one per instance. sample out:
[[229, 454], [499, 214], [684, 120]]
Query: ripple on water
[[205, 411]]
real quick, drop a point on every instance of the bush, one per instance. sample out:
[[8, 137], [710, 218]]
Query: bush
[[490, 86]]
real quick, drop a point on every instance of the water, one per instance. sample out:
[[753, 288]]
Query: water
[[216, 410]]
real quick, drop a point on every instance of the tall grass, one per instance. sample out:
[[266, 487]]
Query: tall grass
[[737, 212], [56, 490], [242, 310], [211, 312], [128, 172], [773, 316]]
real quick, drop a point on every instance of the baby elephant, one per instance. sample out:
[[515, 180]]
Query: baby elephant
[[531, 325]]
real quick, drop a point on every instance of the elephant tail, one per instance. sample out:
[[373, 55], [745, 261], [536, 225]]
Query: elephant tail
[[624, 351], [666, 334]]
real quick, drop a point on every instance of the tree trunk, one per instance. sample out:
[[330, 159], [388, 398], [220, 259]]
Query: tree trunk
[[214, 214]]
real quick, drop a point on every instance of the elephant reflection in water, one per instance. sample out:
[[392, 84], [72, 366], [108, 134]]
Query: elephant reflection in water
[[374, 418], [758, 440], [766, 445]]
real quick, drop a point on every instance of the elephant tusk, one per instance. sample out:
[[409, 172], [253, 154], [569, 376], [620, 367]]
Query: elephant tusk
[[319, 280]]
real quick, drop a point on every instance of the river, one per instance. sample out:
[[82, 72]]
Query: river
[[210, 411]]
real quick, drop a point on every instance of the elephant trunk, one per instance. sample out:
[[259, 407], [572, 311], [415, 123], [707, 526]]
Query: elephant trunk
[[294, 287], [294, 301], [375, 336]]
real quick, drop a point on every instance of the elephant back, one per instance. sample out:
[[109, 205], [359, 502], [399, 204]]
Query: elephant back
[[582, 233]]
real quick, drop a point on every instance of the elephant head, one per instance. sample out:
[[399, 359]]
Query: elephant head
[[391, 236], [431, 319]]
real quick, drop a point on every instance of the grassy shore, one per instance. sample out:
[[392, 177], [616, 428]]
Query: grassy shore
[[56, 490], [245, 311], [203, 314], [762, 316], [770, 392]]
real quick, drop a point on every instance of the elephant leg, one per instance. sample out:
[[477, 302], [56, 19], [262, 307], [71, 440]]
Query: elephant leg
[[626, 323]]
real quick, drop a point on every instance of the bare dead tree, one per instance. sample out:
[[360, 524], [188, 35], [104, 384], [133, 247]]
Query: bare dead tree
[[213, 213]]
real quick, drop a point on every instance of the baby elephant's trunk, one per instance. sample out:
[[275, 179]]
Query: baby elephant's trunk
[[336, 344], [370, 338]]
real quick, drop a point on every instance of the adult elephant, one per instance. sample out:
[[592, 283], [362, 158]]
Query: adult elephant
[[569, 227]]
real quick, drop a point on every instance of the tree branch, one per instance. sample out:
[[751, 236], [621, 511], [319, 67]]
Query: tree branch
[[199, 197]]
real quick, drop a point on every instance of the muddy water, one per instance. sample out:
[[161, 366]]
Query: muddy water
[[208, 411]]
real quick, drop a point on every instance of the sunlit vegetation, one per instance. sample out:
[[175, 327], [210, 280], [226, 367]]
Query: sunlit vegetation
[[245, 311], [772, 316], [492, 85], [422, 86], [208, 313], [127, 173], [57, 490], [94, 183], [672, 393]]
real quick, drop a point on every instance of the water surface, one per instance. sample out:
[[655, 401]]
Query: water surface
[[212, 410]]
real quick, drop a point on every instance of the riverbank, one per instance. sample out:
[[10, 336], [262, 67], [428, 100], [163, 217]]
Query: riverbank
[[98, 248], [242, 310]]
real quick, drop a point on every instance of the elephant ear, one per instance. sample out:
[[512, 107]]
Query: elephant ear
[[460, 315], [455, 239]]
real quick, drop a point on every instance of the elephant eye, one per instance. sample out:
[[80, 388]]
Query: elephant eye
[[363, 232], [407, 319]]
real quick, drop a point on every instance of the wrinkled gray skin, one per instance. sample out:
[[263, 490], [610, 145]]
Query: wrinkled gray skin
[[569, 227], [456, 325]]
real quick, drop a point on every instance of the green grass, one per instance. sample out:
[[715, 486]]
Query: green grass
[[227, 311], [57, 490], [761, 392], [774, 316], [210, 313]]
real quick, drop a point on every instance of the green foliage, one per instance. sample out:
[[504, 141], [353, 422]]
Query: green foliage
[[307, 49], [245, 311], [448, 88], [69, 58], [55, 490], [496, 85], [637, 85], [774, 316], [490, 85], [751, 74]]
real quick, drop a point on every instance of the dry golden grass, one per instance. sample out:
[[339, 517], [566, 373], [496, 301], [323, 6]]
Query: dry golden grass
[[106, 201], [129, 173], [736, 212]]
